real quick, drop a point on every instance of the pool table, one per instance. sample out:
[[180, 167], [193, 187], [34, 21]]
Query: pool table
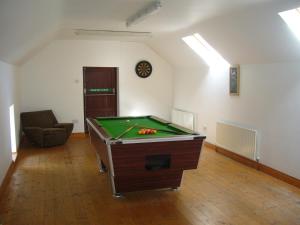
[[137, 162]]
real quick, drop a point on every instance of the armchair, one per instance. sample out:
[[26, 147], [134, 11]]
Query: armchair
[[43, 130]]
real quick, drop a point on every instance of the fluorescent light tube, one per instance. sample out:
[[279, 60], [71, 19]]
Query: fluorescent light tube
[[111, 33], [150, 9]]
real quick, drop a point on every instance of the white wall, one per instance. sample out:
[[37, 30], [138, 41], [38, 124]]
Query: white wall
[[8, 96], [53, 79], [269, 102]]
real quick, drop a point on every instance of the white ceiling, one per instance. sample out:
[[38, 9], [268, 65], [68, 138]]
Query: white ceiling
[[173, 16], [243, 31]]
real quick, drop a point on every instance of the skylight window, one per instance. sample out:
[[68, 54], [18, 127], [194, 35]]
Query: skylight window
[[292, 19], [203, 49]]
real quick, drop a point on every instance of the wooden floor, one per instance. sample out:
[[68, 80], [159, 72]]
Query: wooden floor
[[62, 186]]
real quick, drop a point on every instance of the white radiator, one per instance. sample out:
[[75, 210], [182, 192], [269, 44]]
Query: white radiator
[[239, 140], [184, 118]]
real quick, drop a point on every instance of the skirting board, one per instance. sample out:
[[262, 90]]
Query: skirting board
[[256, 165], [79, 135], [7, 178]]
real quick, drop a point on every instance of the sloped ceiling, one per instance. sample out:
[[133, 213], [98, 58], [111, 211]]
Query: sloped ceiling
[[243, 31], [26, 25], [251, 36]]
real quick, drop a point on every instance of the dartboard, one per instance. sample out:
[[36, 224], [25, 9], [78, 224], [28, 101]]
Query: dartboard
[[143, 69]]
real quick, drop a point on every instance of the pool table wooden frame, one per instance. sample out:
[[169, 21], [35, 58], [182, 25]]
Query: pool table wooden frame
[[124, 159]]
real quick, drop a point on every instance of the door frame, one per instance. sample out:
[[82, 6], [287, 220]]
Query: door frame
[[83, 92]]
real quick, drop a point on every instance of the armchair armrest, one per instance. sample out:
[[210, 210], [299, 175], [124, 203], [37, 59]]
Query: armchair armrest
[[67, 126], [54, 130]]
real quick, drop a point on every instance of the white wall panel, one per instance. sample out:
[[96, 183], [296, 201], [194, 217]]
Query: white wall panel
[[269, 103], [52, 79]]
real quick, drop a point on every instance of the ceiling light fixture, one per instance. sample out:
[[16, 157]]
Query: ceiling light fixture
[[111, 33], [150, 9]]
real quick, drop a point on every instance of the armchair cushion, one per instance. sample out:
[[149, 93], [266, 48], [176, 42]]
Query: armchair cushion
[[47, 131], [54, 136], [35, 134]]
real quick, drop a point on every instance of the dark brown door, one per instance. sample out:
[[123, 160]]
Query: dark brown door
[[100, 92]]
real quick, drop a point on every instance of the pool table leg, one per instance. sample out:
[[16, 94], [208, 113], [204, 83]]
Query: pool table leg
[[117, 195], [102, 167]]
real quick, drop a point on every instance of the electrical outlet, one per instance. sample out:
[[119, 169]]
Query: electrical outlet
[[204, 127], [75, 121]]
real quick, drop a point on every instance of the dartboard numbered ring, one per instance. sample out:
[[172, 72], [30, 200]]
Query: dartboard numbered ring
[[143, 69]]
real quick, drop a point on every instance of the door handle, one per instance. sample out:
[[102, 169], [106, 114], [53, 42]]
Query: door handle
[[113, 92]]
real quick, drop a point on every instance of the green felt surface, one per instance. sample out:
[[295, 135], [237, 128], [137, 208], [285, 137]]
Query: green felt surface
[[116, 126]]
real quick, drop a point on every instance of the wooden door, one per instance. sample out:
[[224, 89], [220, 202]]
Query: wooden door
[[100, 92]]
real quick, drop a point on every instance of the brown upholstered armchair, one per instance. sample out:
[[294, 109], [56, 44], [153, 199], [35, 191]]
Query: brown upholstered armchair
[[43, 130]]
